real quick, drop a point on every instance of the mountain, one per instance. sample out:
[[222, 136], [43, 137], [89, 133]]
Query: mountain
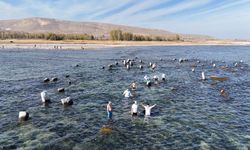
[[99, 30]]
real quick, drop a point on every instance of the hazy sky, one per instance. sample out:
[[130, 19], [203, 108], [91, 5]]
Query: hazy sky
[[218, 18]]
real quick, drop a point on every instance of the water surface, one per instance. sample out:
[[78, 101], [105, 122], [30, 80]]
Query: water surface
[[192, 116]]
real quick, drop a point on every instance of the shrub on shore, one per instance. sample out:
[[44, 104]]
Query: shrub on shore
[[118, 35], [46, 36]]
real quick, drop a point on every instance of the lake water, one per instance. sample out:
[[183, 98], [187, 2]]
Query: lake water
[[190, 113]]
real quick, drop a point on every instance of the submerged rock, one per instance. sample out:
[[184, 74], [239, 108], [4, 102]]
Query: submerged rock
[[110, 66], [105, 130], [163, 77], [23, 116], [46, 80], [181, 60], [77, 65], [156, 78], [60, 90], [150, 64], [54, 79], [173, 88], [204, 146], [148, 83], [67, 101]]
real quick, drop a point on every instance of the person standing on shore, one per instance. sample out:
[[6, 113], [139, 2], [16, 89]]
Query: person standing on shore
[[109, 110]]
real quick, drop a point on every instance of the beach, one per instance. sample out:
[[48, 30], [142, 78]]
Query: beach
[[94, 44]]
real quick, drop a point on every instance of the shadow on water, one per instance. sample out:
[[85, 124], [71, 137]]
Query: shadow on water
[[190, 113]]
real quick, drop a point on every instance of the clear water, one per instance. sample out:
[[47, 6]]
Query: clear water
[[193, 116]]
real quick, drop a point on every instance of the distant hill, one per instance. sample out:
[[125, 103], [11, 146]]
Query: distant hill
[[98, 30]]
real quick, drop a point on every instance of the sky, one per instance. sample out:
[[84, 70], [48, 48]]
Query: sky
[[228, 19]]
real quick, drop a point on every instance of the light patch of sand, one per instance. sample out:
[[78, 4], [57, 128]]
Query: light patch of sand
[[94, 44]]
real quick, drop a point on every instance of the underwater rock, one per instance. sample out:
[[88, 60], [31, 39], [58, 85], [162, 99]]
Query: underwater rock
[[223, 93], [173, 89], [155, 78], [110, 66], [77, 65], [67, 101], [105, 130], [46, 80], [163, 77], [54, 79], [204, 146], [23, 116], [181, 60], [148, 83], [60, 90]]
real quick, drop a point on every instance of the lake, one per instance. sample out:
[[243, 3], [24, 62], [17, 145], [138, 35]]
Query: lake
[[190, 113]]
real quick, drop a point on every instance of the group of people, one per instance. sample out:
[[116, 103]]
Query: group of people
[[134, 108]]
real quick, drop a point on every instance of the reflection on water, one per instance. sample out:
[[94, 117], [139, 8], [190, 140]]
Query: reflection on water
[[190, 113]]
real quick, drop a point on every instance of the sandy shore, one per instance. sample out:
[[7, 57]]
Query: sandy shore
[[45, 44]]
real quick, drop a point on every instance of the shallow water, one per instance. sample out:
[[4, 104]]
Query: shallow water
[[192, 116]]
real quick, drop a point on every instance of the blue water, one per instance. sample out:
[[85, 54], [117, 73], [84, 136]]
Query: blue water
[[193, 116]]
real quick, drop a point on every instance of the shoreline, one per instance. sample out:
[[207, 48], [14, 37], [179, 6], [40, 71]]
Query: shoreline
[[81, 45]]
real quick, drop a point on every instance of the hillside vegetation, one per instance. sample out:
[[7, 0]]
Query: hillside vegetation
[[53, 29]]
